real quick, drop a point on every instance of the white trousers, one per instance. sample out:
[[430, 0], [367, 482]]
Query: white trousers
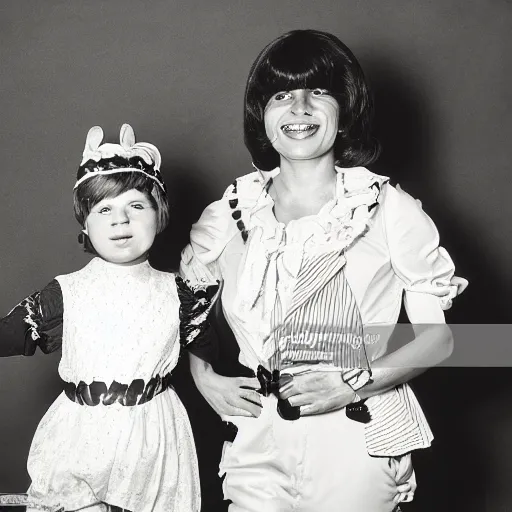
[[313, 464]]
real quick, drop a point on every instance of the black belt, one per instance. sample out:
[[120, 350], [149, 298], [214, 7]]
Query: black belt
[[124, 394], [270, 384]]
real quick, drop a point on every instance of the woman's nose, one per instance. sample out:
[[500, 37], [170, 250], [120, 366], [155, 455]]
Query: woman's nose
[[301, 105], [119, 216]]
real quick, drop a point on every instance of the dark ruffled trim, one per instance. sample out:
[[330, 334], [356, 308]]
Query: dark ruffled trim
[[33, 318], [195, 306], [51, 307], [120, 162], [136, 393], [237, 214]]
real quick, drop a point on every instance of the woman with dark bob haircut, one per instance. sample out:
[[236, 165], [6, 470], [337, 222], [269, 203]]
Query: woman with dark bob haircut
[[315, 254], [303, 62]]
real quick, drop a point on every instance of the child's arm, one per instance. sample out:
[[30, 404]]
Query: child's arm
[[35, 321]]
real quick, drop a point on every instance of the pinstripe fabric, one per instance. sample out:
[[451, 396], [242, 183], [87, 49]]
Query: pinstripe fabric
[[399, 425], [323, 323]]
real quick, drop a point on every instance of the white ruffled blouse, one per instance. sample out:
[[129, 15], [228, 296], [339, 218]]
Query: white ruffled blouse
[[386, 245]]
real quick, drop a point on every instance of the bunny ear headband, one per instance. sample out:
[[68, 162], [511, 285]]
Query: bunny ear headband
[[127, 156]]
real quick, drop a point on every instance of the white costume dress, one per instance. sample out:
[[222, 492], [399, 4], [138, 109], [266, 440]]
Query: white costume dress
[[120, 323], [377, 242]]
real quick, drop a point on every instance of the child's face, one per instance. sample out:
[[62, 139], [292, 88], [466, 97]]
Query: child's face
[[122, 229], [302, 124]]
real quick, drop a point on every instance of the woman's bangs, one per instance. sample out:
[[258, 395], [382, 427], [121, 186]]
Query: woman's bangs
[[296, 75]]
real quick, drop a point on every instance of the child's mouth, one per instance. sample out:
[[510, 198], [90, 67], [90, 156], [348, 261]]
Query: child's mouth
[[121, 240]]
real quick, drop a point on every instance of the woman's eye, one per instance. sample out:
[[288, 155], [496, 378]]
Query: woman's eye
[[280, 96], [319, 92]]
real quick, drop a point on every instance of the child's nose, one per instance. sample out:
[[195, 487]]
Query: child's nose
[[120, 216]]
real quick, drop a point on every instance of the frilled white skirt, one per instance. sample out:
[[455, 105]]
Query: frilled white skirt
[[140, 458]]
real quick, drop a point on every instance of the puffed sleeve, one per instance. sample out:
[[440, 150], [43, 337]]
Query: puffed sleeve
[[35, 321], [208, 238], [425, 267], [202, 279]]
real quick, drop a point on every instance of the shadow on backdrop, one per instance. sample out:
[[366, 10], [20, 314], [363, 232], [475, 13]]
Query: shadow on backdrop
[[188, 197], [455, 473]]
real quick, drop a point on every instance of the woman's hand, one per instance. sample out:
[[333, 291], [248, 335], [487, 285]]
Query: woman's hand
[[317, 392], [227, 396]]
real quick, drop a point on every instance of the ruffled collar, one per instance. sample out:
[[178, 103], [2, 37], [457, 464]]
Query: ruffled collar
[[273, 249], [345, 218]]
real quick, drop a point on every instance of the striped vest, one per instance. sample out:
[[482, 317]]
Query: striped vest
[[323, 325]]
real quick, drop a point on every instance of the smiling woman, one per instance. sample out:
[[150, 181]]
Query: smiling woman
[[315, 253], [324, 68], [308, 116]]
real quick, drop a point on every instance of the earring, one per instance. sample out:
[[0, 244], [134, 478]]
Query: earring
[[82, 240]]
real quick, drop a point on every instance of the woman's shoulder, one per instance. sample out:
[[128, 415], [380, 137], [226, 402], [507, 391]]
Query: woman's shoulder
[[396, 197], [244, 191], [220, 220], [252, 178], [401, 209]]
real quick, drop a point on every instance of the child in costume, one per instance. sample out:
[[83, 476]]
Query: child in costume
[[117, 436]]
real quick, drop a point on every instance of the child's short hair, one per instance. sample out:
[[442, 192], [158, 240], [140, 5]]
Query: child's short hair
[[310, 59], [93, 190]]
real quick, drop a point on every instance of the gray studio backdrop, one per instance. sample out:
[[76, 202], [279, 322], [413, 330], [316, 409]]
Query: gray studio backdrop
[[176, 71]]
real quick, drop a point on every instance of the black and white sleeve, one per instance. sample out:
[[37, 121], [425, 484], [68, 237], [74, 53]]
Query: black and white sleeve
[[35, 322]]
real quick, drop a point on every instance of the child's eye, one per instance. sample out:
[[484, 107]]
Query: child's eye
[[319, 92], [280, 96], [104, 210], [138, 206]]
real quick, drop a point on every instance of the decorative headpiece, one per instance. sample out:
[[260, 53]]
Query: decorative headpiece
[[127, 156]]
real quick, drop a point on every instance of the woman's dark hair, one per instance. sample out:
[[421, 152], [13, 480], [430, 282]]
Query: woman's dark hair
[[310, 59], [93, 190]]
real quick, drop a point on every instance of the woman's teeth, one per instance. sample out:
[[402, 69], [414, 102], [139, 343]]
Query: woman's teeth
[[298, 127]]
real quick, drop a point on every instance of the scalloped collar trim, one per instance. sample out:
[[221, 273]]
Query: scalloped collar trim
[[355, 187]]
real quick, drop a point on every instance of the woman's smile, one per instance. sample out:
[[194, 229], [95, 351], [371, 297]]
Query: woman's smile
[[299, 131], [302, 124]]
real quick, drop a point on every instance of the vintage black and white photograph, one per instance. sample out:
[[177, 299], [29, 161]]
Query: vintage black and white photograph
[[255, 256]]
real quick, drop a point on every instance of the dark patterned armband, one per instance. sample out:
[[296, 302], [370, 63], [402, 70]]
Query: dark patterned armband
[[195, 306]]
